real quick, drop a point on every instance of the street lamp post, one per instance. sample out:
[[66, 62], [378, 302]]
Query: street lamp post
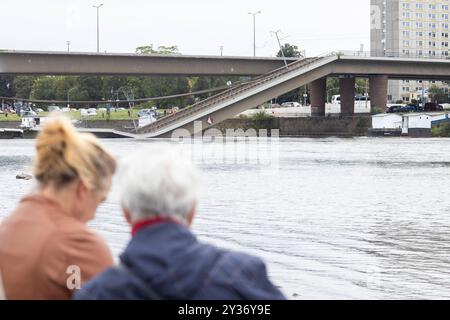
[[68, 46], [98, 25], [254, 30], [68, 96]]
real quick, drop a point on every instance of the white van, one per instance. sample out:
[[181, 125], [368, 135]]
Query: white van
[[336, 99], [291, 105]]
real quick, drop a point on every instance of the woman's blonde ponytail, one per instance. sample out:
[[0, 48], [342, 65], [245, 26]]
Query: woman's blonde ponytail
[[64, 155]]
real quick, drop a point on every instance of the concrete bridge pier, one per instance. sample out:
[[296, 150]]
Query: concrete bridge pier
[[318, 96], [378, 87], [347, 91]]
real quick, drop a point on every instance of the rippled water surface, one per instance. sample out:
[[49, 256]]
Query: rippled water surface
[[333, 218]]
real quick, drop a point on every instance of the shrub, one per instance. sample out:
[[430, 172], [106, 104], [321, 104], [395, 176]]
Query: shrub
[[262, 115]]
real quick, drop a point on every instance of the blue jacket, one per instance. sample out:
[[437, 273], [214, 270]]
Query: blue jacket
[[168, 257]]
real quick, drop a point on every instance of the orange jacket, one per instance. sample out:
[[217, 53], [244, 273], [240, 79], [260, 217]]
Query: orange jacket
[[42, 249]]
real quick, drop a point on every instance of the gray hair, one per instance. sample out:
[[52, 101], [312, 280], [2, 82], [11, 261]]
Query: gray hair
[[158, 182]]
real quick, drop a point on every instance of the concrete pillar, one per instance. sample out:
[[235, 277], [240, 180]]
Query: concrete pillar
[[347, 91], [318, 96], [378, 87]]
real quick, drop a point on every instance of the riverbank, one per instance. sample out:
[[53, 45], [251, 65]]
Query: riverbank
[[288, 127], [304, 126]]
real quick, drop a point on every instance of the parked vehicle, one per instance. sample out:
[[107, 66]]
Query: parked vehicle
[[394, 109], [336, 99], [88, 112], [291, 105], [432, 107], [54, 109], [28, 113], [65, 109], [147, 112], [410, 108]]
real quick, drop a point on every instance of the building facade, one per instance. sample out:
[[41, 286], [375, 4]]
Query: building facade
[[410, 28]]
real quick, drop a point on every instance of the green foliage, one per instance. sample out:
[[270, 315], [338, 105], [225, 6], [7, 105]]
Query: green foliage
[[377, 110], [362, 85], [296, 95], [437, 94], [262, 115], [290, 51], [44, 88], [332, 87], [22, 86], [205, 83], [6, 86], [148, 49], [441, 130], [145, 105]]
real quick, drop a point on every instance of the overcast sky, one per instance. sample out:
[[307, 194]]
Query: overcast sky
[[196, 26]]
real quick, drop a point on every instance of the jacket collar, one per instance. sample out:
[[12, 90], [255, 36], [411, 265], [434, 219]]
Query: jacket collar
[[150, 222]]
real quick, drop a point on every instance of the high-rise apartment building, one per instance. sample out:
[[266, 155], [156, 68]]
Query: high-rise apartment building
[[410, 28]]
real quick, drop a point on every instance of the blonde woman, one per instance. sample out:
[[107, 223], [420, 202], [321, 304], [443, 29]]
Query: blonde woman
[[46, 250]]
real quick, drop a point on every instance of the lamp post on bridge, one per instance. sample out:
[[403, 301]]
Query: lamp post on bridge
[[254, 30], [98, 25]]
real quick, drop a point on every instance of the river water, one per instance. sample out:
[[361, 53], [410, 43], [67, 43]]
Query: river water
[[361, 218]]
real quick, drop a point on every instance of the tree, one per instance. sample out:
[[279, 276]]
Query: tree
[[44, 88], [362, 85], [6, 86], [437, 94], [290, 51], [148, 49], [161, 86], [23, 85]]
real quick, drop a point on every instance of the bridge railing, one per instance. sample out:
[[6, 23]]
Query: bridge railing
[[392, 54], [230, 93]]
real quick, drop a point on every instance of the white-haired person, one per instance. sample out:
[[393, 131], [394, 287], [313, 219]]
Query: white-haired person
[[164, 259]]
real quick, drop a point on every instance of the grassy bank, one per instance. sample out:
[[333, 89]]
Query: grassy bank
[[101, 115], [441, 131]]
